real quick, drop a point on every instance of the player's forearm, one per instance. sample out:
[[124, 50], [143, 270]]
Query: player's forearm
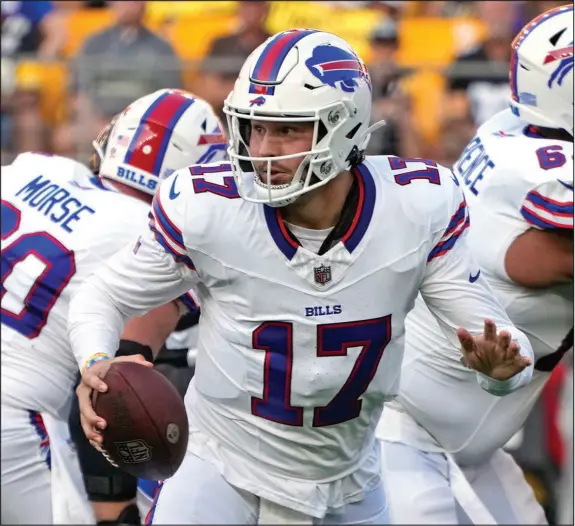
[[94, 323], [459, 296], [152, 329]]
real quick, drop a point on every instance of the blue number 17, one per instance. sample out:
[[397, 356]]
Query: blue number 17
[[334, 339]]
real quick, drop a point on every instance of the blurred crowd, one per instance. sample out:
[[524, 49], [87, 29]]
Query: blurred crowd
[[439, 69]]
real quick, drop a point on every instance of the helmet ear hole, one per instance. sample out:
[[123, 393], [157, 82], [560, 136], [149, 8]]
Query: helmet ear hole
[[321, 131], [245, 131]]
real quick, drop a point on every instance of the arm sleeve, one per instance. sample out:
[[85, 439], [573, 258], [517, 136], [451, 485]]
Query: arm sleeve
[[142, 276], [549, 205], [458, 296]]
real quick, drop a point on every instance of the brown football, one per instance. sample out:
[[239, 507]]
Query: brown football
[[147, 431]]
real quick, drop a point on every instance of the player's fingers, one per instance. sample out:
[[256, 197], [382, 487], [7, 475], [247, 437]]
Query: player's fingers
[[91, 380], [466, 340], [489, 330], [525, 360], [504, 344], [514, 353], [87, 413], [90, 431]]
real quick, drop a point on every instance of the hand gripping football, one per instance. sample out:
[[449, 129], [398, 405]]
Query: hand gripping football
[[147, 431]]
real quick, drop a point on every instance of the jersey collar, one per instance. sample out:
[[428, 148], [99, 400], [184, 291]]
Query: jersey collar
[[289, 244]]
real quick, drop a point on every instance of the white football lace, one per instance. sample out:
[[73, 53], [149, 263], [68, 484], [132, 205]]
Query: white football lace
[[108, 457]]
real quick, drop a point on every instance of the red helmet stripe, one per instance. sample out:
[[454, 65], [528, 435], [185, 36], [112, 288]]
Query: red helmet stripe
[[148, 146]]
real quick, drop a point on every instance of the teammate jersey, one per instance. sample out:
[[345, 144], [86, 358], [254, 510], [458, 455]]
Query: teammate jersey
[[297, 351], [58, 225], [513, 181]]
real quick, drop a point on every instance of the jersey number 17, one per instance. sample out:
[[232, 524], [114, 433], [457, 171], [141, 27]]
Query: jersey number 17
[[333, 339]]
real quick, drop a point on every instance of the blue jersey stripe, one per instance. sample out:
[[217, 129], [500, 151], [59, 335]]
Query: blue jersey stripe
[[530, 217], [179, 258], [456, 219], [551, 206], [189, 302], [445, 246], [173, 232]]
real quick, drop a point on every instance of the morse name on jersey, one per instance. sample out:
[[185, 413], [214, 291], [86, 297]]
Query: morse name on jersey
[[473, 164], [55, 202]]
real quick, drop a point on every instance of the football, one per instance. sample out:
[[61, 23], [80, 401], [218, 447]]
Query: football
[[147, 431]]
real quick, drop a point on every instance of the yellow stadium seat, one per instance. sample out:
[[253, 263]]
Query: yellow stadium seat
[[83, 23], [49, 79], [191, 38], [191, 35], [431, 45], [170, 9]]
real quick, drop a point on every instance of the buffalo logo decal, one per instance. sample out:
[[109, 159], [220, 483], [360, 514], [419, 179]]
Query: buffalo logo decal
[[337, 68]]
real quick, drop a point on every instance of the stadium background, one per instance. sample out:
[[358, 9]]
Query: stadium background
[[439, 70]]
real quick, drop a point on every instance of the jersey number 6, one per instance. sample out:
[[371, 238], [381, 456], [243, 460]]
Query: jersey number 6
[[44, 291], [334, 339]]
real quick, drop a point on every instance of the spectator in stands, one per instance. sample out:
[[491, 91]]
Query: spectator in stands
[[113, 68], [227, 54], [455, 132], [30, 30], [391, 102], [478, 81]]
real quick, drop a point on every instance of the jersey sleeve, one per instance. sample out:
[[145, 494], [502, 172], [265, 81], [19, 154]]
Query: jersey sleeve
[[549, 205], [459, 297], [149, 272]]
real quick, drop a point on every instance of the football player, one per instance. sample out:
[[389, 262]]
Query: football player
[[60, 221], [443, 437], [306, 257]]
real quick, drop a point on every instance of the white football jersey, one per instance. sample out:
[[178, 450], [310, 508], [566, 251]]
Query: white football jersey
[[58, 225], [297, 351], [513, 181]]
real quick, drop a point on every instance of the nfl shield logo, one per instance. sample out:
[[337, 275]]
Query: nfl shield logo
[[322, 274], [134, 451]]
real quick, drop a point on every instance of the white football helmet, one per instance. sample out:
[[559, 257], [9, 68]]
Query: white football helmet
[[155, 136], [541, 73], [300, 75]]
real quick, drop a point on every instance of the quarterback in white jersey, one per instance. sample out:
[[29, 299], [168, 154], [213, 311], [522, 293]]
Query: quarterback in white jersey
[[517, 175], [60, 221], [306, 258]]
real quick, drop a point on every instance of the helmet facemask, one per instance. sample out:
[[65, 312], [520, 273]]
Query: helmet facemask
[[99, 147], [318, 166]]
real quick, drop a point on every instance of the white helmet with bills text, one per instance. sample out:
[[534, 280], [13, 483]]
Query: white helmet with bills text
[[541, 72], [155, 136], [300, 75]]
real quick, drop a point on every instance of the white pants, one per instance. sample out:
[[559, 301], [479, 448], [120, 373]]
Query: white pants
[[198, 494], [41, 478], [424, 488]]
